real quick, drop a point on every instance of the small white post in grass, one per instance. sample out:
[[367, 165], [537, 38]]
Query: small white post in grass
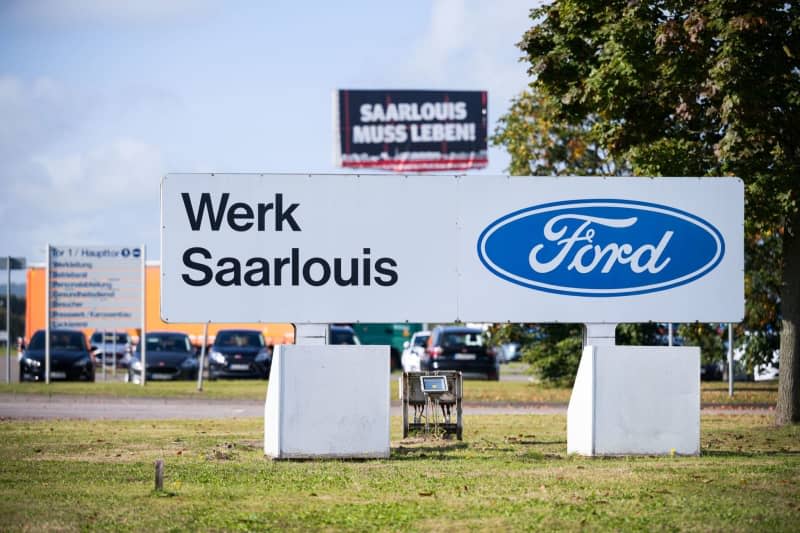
[[159, 475]]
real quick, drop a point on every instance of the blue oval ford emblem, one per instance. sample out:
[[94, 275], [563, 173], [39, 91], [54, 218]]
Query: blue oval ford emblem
[[600, 247]]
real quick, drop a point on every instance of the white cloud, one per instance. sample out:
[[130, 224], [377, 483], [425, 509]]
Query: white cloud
[[61, 186], [475, 42], [105, 195]]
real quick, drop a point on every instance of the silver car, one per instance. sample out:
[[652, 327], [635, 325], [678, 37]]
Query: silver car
[[110, 345]]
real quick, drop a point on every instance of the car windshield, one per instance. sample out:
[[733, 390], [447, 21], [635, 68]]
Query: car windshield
[[59, 340], [462, 339], [111, 338], [421, 340], [168, 343], [343, 337], [239, 339]]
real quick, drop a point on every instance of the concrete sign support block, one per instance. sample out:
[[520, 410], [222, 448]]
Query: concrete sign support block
[[635, 400], [328, 402]]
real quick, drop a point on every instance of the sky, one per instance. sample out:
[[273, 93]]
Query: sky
[[98, 99]]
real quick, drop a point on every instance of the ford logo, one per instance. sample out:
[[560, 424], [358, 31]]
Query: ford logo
[[600, 248]]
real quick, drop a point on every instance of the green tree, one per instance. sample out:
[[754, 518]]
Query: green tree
[[542, 144], [555, 353], [690, 88]]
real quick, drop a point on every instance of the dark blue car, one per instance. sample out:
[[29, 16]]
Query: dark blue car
[[239, 353], [170, 355], [70, 357], [460, 348]]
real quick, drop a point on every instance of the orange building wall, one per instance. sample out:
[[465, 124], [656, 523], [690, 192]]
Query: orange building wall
[[35, 312]]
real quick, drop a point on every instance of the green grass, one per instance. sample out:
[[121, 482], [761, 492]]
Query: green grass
[[474, 391], [510, 473]]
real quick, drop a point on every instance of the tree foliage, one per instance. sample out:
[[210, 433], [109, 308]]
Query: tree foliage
[[688, 88], [541, 144]]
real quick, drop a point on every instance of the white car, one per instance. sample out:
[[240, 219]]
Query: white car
[[413, 350]]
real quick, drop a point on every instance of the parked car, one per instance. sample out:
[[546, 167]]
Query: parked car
[[114, 345], [712, 371], [170, 355], [239, 353], [460, 348], [342, 335], [413, 351], [70, 357]]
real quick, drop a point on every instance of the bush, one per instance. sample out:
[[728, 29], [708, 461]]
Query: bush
[[554, 353]]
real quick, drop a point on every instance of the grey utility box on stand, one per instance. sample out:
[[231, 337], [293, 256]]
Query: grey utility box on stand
[[414, 397]]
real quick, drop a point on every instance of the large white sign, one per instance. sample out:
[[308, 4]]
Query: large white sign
[[390, 248], [96, 287]]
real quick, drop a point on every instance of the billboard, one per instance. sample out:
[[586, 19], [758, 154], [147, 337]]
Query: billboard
[[96, 287], [411, 131], [394, 248]]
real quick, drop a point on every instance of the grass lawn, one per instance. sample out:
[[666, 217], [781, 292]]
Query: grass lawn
[[474, 391], [511, 472]]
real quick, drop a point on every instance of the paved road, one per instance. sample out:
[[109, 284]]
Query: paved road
[[22, 406], [99, 407]]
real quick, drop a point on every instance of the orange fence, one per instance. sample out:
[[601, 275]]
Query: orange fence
[[35, 312]]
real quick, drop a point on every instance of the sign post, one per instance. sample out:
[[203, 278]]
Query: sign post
[[730, 360], [97, 287]]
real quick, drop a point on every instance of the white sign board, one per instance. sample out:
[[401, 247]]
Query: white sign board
[[96, 287], [390, 248]]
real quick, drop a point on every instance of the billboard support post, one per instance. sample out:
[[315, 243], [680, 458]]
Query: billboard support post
[[730, 360], [311, 334]]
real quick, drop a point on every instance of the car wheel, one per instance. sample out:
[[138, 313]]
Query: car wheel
[[493, 375]]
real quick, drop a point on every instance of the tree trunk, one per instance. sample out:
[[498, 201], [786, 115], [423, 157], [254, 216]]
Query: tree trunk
[[788, 410]]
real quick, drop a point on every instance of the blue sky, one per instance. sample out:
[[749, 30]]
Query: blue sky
[[99, 99]]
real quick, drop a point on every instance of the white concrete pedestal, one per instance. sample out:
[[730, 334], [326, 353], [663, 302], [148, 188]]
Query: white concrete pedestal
[[328, 401], [635, 400]]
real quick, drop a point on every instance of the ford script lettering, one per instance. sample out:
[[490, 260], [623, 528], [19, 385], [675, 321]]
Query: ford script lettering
[[600, 247]]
